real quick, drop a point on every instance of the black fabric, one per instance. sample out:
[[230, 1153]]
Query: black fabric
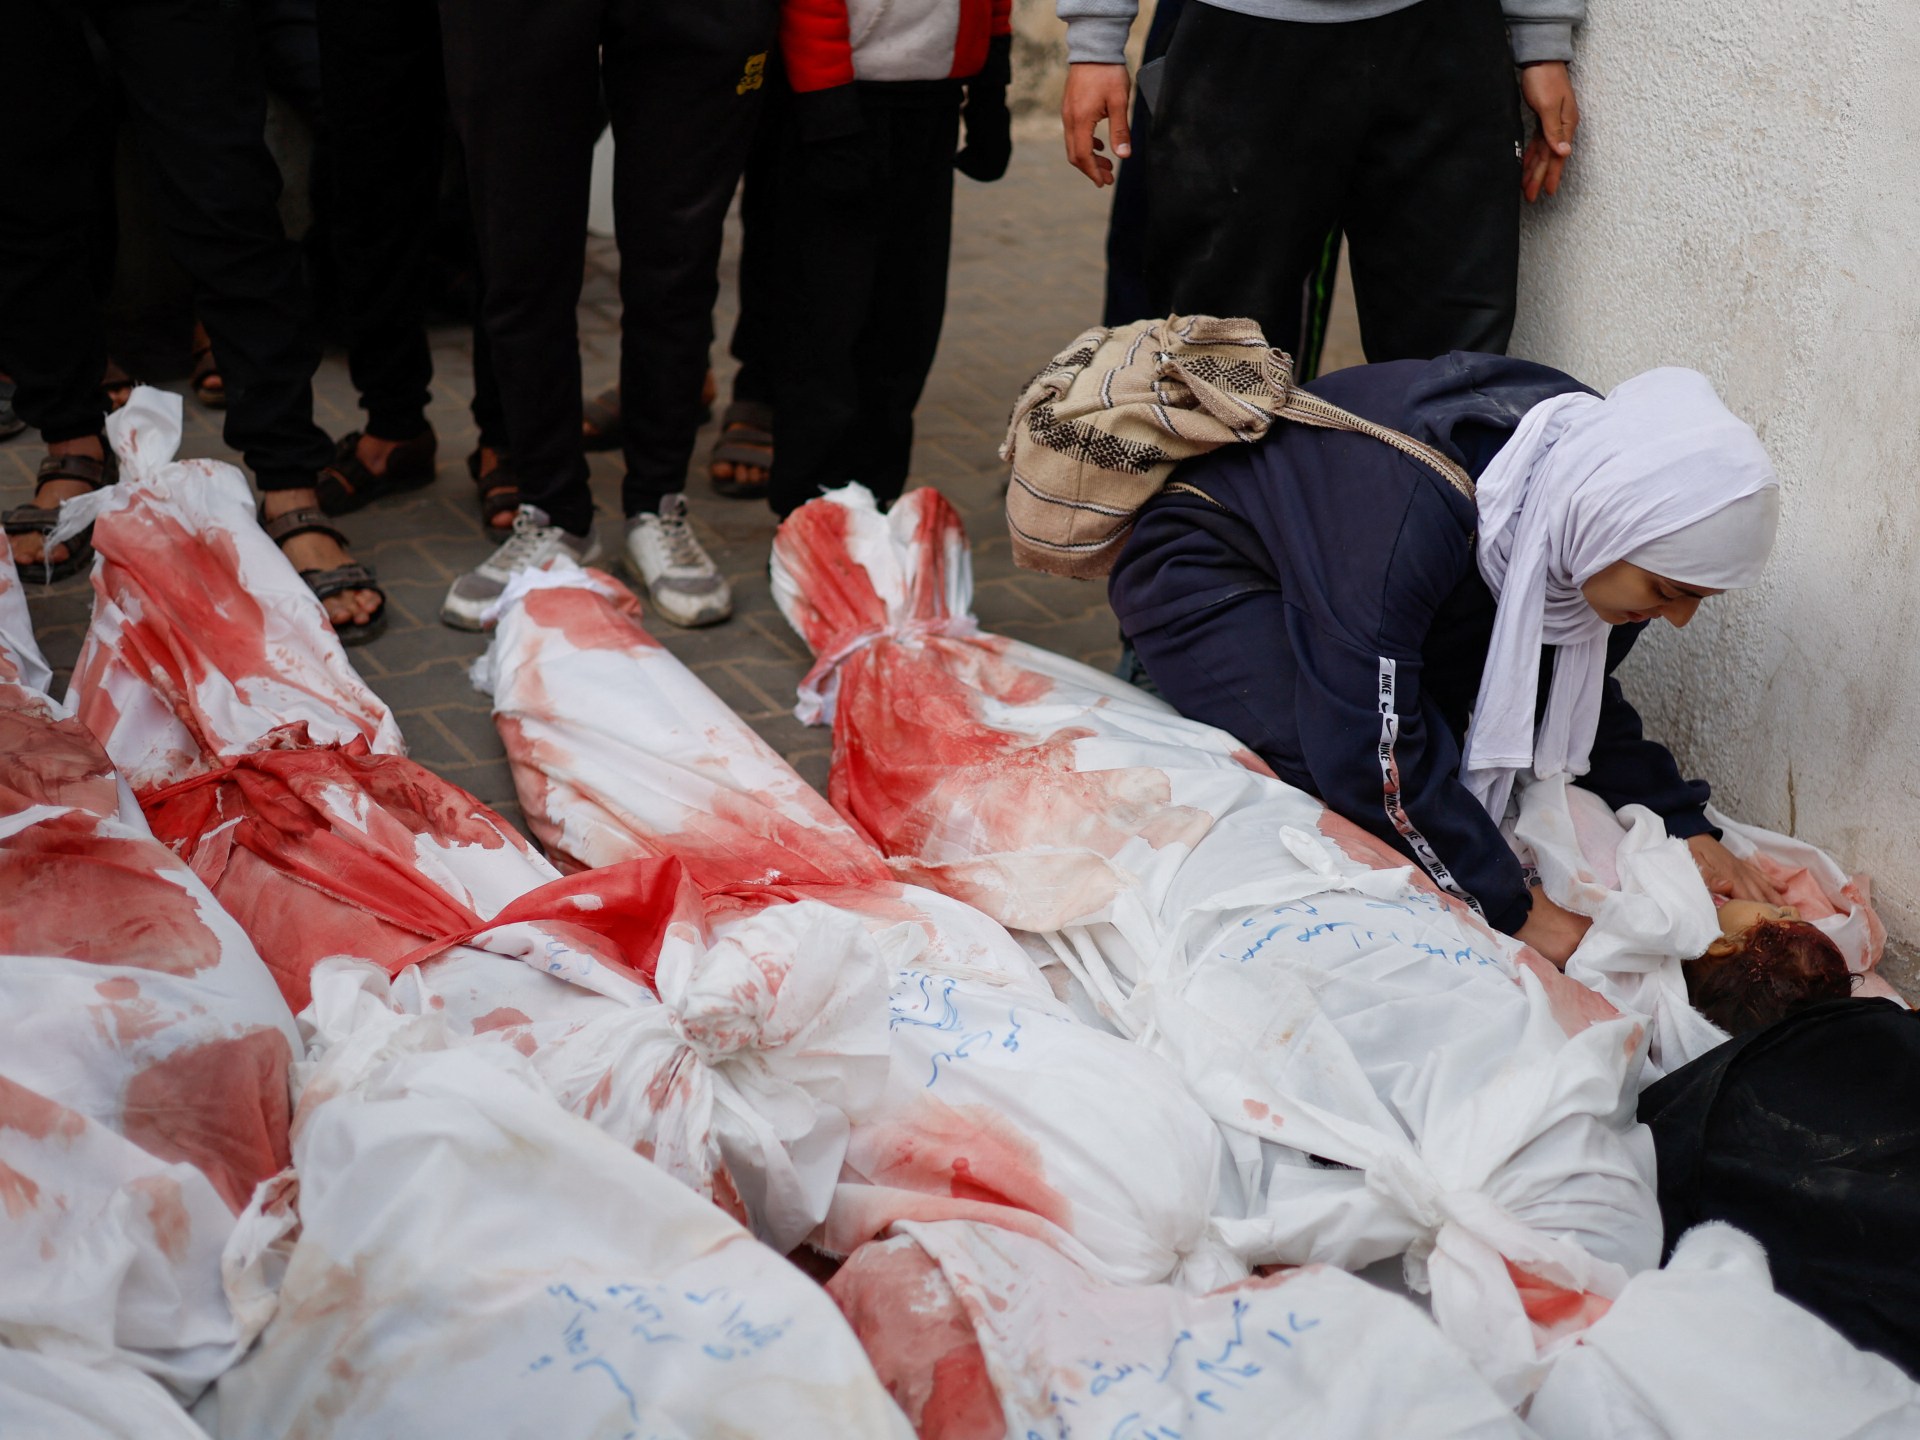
[[683, 88], [386, 99], [1331, 601], [192, 83], [756, 325], [1806, 1135], [1402, 130], [863, 293], [1127, 295]]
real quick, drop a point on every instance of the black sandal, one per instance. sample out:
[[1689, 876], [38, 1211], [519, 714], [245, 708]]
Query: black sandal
[[326, 583], [499, 493], [39, 520], [746, 438], [347, 484]]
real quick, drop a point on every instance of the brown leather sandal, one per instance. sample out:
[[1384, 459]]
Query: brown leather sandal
[[341, 578], [347, 484], [40, 520], [499, 492]]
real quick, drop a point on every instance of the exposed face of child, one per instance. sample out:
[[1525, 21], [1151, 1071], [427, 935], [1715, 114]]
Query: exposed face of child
[[1623, 593], [1738, 916]]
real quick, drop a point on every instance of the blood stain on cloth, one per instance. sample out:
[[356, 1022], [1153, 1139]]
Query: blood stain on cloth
[[35, 1116], [18, 1194], [1553, 1309], [63, 870], [589, 619], [166, 1213], [965, 1152], [917, 1334], [221, 1106], [51, 761]]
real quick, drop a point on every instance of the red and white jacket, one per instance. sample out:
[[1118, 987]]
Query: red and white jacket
[[835, 42]]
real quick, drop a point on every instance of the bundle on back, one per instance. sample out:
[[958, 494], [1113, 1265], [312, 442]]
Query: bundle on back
[[1098, 432]]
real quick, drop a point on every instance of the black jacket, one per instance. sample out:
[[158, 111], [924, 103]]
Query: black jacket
[[1387, 618]]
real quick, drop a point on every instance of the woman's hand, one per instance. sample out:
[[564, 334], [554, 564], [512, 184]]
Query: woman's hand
[[1554, 932], [1727, 874]]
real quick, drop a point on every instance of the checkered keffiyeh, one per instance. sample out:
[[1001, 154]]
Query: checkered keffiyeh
[[1096, 433]]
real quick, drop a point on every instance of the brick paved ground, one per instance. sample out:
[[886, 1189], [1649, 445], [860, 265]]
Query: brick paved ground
[[1027, 275]]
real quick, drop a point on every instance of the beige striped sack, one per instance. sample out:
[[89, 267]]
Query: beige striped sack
[[1096, 433]]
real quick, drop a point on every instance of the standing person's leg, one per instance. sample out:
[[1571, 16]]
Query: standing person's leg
[[828, 240], [742, 458], [1433, 226], [193, 83], [52, 335], [1127, 293], [697, 74], [384, 89], [1252, 146], [522, 88], [896, 345]]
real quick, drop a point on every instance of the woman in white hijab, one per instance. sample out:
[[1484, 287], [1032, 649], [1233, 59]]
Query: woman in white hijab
[[1407, 649]]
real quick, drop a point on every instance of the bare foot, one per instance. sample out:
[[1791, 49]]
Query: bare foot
[[490, 462], [31, 549], [314, 551], [740, 474], [372, 452]]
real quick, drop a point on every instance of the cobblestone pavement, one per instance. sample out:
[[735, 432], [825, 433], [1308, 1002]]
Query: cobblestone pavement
[[1027, 273]]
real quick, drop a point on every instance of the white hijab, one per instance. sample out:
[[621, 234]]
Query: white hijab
[[1659, 473]]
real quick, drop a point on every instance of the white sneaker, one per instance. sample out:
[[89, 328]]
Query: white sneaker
[[531, 544], [686, 586]]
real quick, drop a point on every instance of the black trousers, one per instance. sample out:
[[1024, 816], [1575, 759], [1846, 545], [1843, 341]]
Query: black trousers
[[683, 86], [385, 94], [863, 293], [192, 82], [757, 325], [1402, 130]]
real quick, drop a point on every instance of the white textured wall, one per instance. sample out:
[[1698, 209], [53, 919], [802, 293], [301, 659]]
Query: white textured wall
[[1744, 198]]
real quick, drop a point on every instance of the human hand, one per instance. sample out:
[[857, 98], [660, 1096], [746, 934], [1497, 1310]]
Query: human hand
[[1554, 932], [1727, 874], [1548, 91], [989, 124], [1096, 93]]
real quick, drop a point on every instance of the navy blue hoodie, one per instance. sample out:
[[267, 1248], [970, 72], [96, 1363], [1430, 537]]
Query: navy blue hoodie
[[1383, 621]]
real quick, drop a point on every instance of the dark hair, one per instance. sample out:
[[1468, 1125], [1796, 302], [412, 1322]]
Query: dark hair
[[1777, 967]]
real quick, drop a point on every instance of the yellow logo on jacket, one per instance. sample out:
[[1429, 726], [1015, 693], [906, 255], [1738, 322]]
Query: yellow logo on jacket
[[754, 76]]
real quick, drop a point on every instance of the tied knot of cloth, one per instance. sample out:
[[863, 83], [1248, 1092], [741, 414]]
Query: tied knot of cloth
[[820, 688]]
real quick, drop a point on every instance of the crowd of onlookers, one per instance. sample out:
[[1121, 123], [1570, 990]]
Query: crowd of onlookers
[[1259, 136]]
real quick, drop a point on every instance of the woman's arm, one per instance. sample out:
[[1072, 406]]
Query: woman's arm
[[1381, 755]]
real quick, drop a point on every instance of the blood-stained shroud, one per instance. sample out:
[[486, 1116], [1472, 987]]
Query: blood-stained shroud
[[981, 1333], [143, 1078], [475, 1261], [1393, 1077], [726, 1050], [998, 1104]]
